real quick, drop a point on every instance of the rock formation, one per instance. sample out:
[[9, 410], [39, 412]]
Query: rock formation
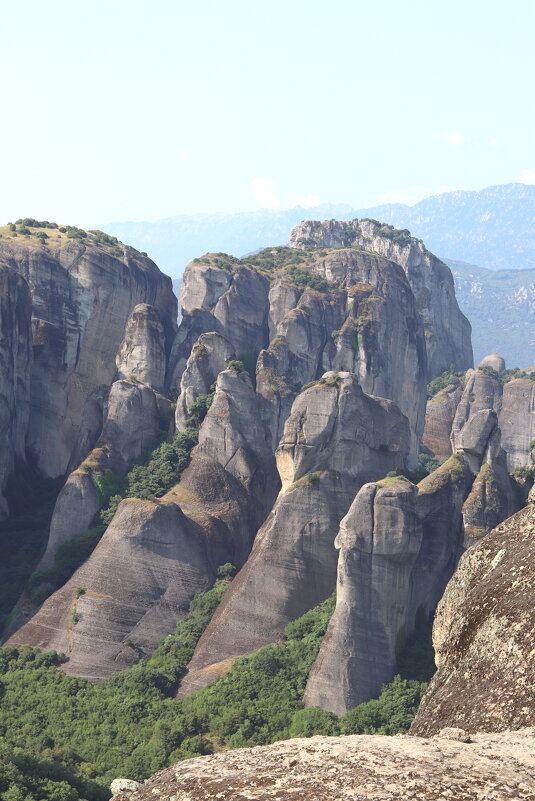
[[209, 356], [379, 540], [15, 364], [138, 582], [494, 361], [480, 392], [447, 331], [82, 296], [496, 767], [512, 398], [483, 635], [315, 361], [439, 415], [399, 545], [335, 439], [517, 421]]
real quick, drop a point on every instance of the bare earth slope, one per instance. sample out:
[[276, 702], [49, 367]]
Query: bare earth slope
[[361, 768]]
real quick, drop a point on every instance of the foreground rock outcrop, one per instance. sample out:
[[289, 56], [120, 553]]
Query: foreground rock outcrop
[[492, 767], [484, 634]]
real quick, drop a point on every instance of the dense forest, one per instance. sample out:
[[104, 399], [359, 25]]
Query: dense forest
[[82, 736]]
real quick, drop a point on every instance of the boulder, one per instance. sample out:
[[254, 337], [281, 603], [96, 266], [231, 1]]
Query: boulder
[[493, 360]]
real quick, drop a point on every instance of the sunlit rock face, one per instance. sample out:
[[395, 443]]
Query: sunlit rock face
[[447, 331], [82, 297], [335, 439], [483, 636]]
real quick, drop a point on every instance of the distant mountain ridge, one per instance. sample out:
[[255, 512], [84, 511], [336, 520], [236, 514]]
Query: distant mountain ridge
[[501, 308], [493, 227]]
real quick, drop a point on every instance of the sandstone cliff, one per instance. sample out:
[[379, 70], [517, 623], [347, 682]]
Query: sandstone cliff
[[399, 545], [335, 439], [312, 364], [447, 331], [511, 394], [15, 362], [83, 293]]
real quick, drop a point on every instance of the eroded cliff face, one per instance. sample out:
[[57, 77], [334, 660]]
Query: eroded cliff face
[[483, 635], [335, 439], [15, 365], [399, 545], [82, 296], [447, 331], [511, 398], [138, 582], [310, 366]]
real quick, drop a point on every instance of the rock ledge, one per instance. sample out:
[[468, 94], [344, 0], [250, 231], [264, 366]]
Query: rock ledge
[[492, 767]]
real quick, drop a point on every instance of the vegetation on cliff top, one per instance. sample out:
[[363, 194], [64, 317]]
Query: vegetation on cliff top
[[42, 232]]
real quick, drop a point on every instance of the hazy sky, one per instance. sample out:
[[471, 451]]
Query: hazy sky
[[139, 110]]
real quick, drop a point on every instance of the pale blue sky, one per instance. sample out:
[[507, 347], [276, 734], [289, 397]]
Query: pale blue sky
[[139, 110]]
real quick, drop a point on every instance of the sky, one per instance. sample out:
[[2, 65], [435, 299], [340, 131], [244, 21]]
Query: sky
[[141, 110]]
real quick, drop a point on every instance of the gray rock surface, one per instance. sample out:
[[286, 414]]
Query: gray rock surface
[[77, 504], [209, 356], [367, 322], [480, 392], [399, 546], [234, 435], [138, 582], [517, 422], [142, 355], [447, 331], [492, 767], [439, 415], [136, 416], [15, 365], [82, 296], [493, 360], [379, 540], [483, 636], [335, 439]]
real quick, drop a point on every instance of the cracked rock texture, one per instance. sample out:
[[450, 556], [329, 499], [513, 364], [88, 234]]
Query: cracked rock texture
[[483, 635], [492, 767]]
